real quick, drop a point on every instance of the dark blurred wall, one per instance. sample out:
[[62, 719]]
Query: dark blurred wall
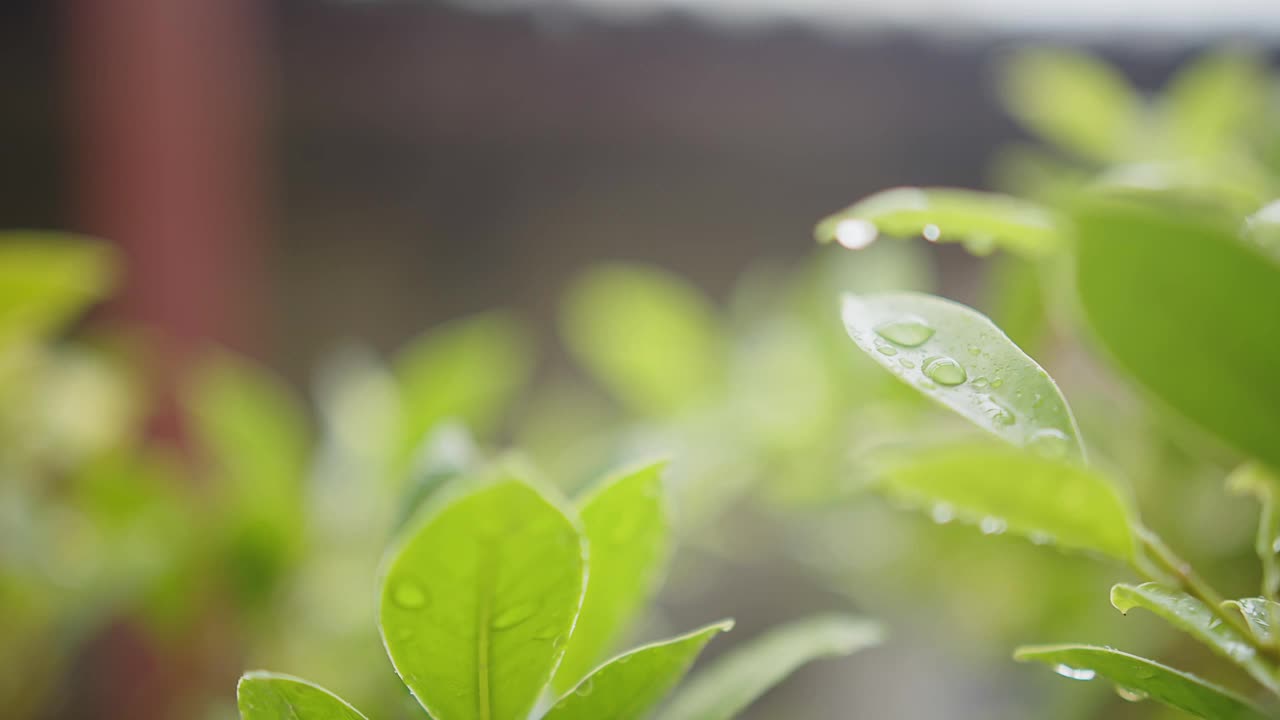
[[423, 162]]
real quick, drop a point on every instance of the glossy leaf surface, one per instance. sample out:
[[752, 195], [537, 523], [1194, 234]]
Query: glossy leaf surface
[[625, 522], [1193, 617], [1139, 678], [270, 696], [982, 221], [479, 600], [1000, 488], [630, 685], [959, 358]]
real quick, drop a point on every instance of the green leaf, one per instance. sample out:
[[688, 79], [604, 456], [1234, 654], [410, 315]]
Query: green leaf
[[1215, 102], [448, 452], [467, 370], [255, 433], [1176, 298], [270, 696], [1003, 488], [1258, 613], [649, 337], [959, 358], [982, 221], [628, 686], [1072, 100], [479, 600], [1141, 678], [46, 278], [1262, 228], [726, 688], [1193, 617], [625, 522], [1255, 480]]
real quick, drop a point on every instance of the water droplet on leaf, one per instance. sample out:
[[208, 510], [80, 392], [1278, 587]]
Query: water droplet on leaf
[[944, 371], [942, 513], [887, 350], [1049, 442], [907, 332], [855, 234], [991, 525], [1074, 673], [1131, 694], [584, 688], [409, 595], [931, 233]]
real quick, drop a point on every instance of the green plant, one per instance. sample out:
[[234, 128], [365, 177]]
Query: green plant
[[1176, 291], [499, 604]]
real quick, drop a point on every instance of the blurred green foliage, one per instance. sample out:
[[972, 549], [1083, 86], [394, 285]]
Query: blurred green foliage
[[780, 433]]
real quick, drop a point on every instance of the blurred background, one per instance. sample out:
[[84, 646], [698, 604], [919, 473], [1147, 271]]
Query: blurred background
[[311, 185]]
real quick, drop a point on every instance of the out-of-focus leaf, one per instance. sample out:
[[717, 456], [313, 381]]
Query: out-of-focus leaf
[[650, 338], [270, 696], [254, 432], [959, 358], [467, 370], [448, 452], [46, 278], [1258, 612], [1255, 480], [1003, 488], [726, 688], [1234, 184], [1015, 297], [1139, 678], [1193, 617], [1215, 102], [625, 523], [982, 221], [1263, 229], [1073, 100], [1176, 298], [479, 601], [627, 687]]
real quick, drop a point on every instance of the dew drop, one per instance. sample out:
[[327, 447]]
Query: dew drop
[[409, 595], [992, 525], [980, 382], [997, 383], [974, 350], [855, 234], [907, 332], [1131, 694], [1146, 673], [944, 371], [999, 414], [1049, 442], [513, 616], [584, 688], [1041, 538], [1074, 673], [931, 233], [887, 350], [1275, 546], [942, 513], [909, 364]]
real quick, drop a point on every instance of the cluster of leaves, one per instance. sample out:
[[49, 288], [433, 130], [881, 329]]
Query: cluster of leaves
[[1173, 281], [499, 604]]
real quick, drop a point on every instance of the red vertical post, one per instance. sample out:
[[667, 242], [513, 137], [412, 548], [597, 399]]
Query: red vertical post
[[166, 113], [165, 106]]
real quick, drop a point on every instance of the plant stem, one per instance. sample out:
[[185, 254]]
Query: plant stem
[[1194, 585]]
